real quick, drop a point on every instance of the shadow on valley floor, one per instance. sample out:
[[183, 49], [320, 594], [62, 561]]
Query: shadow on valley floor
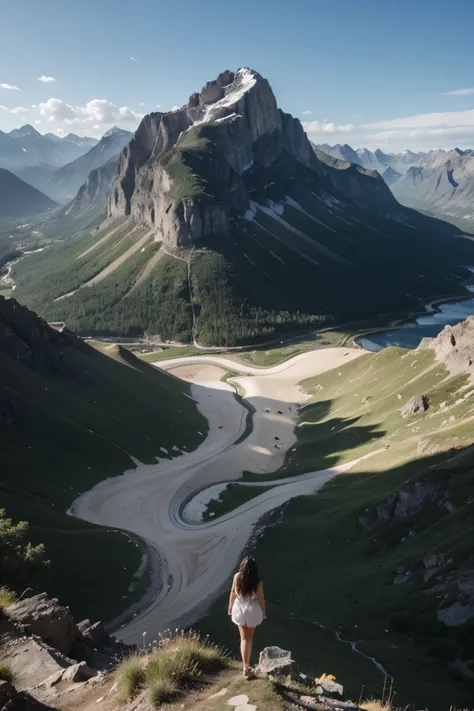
[[323, 443], [320, 565]]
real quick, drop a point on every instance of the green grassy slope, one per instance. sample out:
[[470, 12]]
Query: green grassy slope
[[320, 565], [63, 433]]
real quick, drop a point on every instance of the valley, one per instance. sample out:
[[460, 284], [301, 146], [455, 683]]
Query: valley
[[348, 423], [217, 337]]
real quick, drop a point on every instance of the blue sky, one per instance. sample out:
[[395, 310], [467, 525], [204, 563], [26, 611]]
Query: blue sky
[[371, 72]]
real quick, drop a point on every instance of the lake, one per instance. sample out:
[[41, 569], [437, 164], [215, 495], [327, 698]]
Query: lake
[[424, 327]]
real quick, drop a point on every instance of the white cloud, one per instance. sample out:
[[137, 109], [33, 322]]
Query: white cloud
[[17, 110], [446, 118], [175, 108], [46, 80], [459, 92], [158, 106], [326, 127], [33, 106], [97, 112], [133, 59], [142, 103], [9, 86], [308, 112]]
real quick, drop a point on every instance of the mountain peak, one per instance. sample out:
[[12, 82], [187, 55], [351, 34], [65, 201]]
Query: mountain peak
[[26, 130], [115, 131]]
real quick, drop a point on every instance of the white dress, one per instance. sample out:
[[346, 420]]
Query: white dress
[[246, 611]]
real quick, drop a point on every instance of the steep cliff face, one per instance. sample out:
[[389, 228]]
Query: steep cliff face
[[159, 181], [188, 173]]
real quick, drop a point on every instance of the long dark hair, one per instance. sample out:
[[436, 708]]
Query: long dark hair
[[248, 578]]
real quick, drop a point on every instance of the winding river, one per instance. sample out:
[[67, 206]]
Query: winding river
[[191, 562], [427, 326]]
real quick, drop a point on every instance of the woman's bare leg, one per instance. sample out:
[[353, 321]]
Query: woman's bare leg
[[243, 643], [249, 633]]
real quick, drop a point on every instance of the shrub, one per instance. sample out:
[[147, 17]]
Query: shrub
[[6, 673], [131, 676], [7, 598], [19, 557]]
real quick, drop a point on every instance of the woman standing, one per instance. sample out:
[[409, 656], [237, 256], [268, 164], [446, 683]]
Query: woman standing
[[247, 607]]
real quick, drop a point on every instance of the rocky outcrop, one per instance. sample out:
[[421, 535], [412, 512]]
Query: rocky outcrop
[[407, 501], [235, 124], [46, 651], [454, 346], [47, 619], [323, 693], [415, 405]]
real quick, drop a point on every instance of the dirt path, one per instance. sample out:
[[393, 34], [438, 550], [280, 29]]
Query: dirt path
[[198, 559]]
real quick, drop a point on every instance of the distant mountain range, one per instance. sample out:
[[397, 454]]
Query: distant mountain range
[[442, 184], [438, 182], [225, 226], [57, 166], [373, 160], [25, 147], [18, 199], [62, 184]]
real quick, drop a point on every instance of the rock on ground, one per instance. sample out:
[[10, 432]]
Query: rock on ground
[[275, 661], [416, 404]]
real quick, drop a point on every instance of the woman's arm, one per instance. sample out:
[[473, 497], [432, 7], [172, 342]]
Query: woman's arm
[[261, 599], [232, 597]]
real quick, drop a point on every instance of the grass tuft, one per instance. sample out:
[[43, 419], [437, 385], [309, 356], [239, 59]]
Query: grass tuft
[[169, 669], [162, 691], [6, 673], [131, 676], [7, 598]]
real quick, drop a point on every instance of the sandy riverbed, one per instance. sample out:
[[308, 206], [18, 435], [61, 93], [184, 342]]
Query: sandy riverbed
[[198, 559]]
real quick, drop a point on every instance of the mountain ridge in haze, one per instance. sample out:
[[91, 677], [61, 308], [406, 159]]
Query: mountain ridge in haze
[[62, 184], [19, 199], [27, 147]]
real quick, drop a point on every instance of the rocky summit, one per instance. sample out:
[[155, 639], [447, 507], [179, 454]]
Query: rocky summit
[[188, 173]]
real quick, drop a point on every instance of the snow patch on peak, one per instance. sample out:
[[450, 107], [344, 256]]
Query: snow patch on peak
[[112, 132], [244, 80]]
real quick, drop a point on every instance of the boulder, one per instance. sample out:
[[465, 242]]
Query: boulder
[[434, 560], [275, 662], [416, 404], [331, 688], [73, 674], [47, 619]]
